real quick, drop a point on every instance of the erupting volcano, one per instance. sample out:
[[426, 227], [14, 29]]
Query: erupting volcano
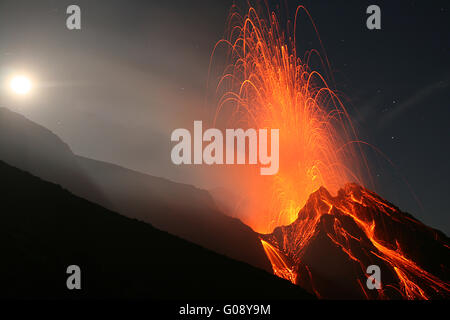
[[328, 248], [321, 242]]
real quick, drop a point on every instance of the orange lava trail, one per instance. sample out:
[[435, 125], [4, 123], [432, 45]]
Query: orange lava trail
[[405, 268], [280, 266]]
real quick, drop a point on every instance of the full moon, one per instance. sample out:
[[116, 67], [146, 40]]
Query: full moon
[[21, 85]]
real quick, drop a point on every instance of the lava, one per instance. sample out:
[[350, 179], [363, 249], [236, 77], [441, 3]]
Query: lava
[[366, 230], [266, 85], [279, 262]]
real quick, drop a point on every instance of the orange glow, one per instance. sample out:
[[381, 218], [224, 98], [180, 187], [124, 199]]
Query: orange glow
[[267, 85]]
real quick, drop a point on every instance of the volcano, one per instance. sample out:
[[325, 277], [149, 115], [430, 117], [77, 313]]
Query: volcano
[[334, 239]]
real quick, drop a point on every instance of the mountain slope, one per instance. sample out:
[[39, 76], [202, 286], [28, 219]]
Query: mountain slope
[[179, 209], [30, 147], [328, 248], [44, 229]]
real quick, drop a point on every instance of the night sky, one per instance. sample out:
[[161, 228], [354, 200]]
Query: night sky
[[116, 89]]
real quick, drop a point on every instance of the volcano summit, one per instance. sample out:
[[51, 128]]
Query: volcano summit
[[328, 248]]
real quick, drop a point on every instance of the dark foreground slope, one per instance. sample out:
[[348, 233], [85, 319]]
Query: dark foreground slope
[[179, 209], [44, 229]]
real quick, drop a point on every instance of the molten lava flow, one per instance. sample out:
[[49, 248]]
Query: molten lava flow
[[279, 264], [407, 271], [267, 85], [366, 230]]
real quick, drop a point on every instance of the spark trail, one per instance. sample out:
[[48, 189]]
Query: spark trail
[[266, 85]]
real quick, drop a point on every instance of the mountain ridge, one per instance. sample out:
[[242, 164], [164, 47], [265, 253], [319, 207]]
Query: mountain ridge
[[180, 209], [355, 229]]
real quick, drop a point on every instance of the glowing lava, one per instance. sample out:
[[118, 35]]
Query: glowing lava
[[266, 85], [337, 238], [280, 266]]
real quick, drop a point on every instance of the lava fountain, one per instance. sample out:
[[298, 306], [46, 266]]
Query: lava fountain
[[267, 85]]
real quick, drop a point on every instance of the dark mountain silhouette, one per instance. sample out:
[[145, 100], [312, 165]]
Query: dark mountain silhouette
[[328, 248], [32, 148], [44, 229], [179, 209]]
